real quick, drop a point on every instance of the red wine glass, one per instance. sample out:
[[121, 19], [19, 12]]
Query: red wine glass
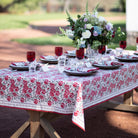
[[137, 40], [30, 56], [80, 53], [58, 51], [122, 44], [102, 49]]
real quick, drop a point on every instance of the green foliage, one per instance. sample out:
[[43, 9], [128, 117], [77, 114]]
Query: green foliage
[[5, 2], [120, 35], [21, 6]]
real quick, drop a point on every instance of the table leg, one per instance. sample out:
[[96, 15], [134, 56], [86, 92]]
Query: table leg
[[39, 124], [127, 104], [128, 98], [48, 128], [40, 121], [45, 123], [36, 130], [21, 130]]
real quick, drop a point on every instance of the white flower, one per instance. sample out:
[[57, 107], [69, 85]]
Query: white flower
[[69, 33], [88, 26], [81, 42], [86, 34], [109, 26], [102, 19]]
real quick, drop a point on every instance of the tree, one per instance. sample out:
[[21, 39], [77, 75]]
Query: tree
[[4, 7], [123, 5]]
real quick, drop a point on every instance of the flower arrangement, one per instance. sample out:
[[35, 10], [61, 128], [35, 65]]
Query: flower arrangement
[[89, 29]]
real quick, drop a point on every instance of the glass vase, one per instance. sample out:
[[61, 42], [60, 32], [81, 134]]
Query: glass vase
[[91, 52]]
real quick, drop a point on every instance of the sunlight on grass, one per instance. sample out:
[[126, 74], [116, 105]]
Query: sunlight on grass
[[12, 21], [58, 40], [51, 40]]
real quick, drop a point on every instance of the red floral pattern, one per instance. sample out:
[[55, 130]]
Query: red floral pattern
[[52, 91]]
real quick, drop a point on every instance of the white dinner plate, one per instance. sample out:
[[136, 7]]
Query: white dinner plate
[[107, 66], [123, 59], [22, 67], [80, 73], [50, 61], [136, 53], [19, 66]]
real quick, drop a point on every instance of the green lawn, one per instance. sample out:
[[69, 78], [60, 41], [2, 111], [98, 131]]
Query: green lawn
[[51, 40], [58, 40], [11, 21]]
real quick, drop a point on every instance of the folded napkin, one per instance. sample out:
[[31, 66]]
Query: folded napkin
[[116, 64], [134, 57], [70, 52], [45, 68], [109, 63], [48, 57], [93, 69], [22, 63], [128, 57]]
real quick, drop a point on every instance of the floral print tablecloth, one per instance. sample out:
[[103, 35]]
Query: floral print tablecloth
[[56, 92]]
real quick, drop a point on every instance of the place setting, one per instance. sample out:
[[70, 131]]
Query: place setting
[[123, 55], [52, 59], [107, 63], [136, 52], [126, 56], [22, 66], [79, 66], [30, 65]]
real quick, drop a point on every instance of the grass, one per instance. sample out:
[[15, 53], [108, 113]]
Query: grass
[[51, 40], [58, 40], [12, 21], [64, 41]]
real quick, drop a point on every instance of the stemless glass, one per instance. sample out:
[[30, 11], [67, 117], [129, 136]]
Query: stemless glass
[[58, 51], [80, 53], [122, 44], [31, 60]]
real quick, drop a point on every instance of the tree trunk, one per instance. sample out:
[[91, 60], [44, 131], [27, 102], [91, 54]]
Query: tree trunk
[[5, 8]]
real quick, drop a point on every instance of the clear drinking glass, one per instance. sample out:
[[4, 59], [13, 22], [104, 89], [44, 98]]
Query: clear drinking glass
[[61, 63], [119, 52]]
